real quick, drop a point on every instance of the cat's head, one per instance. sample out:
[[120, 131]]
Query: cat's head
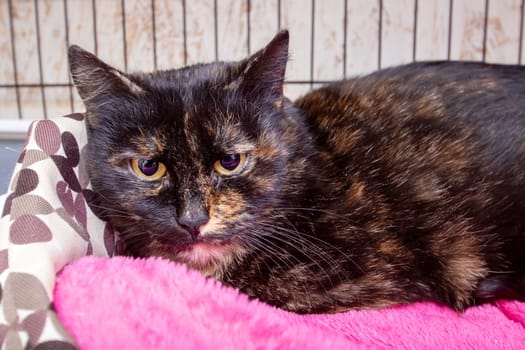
[[192, 164]]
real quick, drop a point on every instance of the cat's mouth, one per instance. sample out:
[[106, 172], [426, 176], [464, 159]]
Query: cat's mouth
[[208, 257]]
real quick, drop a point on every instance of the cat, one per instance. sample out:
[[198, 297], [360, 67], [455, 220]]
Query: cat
[[404, 185]]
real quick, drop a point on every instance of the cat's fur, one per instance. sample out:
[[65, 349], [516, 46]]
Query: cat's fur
[[404, 185]]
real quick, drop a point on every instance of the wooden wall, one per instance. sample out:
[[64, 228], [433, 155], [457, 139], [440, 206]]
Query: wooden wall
[[330, 39]]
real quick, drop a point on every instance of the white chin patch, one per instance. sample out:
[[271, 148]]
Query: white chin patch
[[209, 259], [203, 253]]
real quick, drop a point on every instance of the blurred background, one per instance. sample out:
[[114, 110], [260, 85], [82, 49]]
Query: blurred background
[[330, 40]]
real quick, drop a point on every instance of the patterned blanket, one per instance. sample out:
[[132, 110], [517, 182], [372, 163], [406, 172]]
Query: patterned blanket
[[45, 224]]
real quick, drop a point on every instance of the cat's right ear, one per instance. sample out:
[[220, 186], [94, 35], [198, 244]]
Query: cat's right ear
[[95, 80]]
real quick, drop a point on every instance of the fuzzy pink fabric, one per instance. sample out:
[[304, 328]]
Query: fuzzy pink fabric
[[123, 303]]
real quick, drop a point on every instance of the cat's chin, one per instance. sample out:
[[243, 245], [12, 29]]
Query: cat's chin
[[208, 258]]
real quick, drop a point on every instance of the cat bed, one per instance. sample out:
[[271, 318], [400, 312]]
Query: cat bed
[[62, 285]]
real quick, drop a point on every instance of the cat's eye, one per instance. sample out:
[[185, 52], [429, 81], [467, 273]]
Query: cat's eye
[[148, 169], [230, 164]]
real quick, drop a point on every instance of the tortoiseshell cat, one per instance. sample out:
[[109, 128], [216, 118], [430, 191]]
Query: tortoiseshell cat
[[404, 185]]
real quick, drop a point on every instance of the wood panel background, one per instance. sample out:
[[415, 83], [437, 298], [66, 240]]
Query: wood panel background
[[330, 39]]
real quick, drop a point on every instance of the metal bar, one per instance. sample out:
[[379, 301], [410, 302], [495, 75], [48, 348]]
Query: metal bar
[[248, 26], [39, 50], [123, 10], [312, 44], [184, 32], [345, 36], [414, 32], [380, 34], [311, 82], [154, 27], [95, 38], [66, 25], [485, 25], [520, 46], [216, 25], [278, 15], [13, 54], [450, 16], [35, 85]]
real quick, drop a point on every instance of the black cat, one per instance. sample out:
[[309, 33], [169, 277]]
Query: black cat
[[404, 185]]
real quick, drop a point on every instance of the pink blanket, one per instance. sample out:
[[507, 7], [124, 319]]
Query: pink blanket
[[122, 303]]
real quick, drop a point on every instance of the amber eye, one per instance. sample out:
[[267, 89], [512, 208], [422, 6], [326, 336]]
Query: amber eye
[[148, 169], [230, 164]]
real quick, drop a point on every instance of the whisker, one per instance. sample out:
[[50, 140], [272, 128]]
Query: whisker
[[263, 246], [111, 210], [276, 250], [314, 210], [309, 236], [306, 241], [273, 252], [320, 254]]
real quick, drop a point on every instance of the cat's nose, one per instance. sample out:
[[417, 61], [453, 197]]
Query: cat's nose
[[193, 225], [192, 221]]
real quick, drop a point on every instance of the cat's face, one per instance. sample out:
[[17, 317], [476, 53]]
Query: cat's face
[[191, 164]]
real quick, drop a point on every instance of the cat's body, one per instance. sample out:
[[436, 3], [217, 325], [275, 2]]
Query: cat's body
[[404, 185]]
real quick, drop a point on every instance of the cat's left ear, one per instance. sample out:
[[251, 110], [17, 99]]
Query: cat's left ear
[[264, 71]]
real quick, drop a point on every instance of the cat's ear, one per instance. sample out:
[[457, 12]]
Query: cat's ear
[[96, 80], [264, 71]]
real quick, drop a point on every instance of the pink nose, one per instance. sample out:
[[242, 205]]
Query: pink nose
[[192, 224]]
